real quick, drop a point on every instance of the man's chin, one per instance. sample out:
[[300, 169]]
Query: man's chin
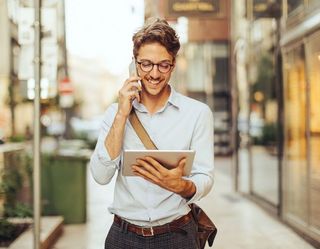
[[153, 92]]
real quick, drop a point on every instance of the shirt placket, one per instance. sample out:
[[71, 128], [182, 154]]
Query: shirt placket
[[152, 133]]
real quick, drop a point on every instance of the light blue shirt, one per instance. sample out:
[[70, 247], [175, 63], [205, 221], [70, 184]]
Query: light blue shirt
[[183, 123]]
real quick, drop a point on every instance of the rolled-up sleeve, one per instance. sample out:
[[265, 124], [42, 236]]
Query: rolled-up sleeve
[[101, 166], [202, 174]]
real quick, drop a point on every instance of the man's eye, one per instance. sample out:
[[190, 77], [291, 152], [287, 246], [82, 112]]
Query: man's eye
[[146, 64], [164, 65]]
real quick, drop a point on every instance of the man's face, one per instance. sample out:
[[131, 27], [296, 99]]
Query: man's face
[[154, 77]]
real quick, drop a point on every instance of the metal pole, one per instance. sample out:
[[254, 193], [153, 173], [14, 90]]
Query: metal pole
[[250, 17], [36, 133], [68, 110], [280, 117], [65, 53]]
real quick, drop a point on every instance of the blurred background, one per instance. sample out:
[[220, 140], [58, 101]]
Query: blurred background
[[256, 63]]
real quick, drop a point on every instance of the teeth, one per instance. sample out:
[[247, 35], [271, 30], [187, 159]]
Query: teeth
[[153, 82]]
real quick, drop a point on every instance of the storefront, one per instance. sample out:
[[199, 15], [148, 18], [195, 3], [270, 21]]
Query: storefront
[[277, 163], [257, 121], [301, 158]]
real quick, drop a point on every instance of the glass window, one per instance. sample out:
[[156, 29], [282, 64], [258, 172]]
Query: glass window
[[263, 131], [295, 158], [313, 59], [294, 4], [313, 2]]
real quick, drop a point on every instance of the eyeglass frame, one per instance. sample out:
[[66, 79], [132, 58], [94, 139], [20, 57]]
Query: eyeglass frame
[[154, 64]]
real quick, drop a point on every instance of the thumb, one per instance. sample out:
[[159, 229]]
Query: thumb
[[182, 163]]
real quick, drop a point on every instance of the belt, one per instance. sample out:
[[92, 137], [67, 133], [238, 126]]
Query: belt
[[174, 226]]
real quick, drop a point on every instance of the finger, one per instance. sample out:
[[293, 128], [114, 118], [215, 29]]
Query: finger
[[144, 177], [133, 94], [182, 163], [159, 167], [141, 171], [131, 85], [149, 167], [137, 95], [133, 80]]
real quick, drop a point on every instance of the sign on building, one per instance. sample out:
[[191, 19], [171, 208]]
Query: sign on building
[[265, 8], [189, 8], [66, 98]]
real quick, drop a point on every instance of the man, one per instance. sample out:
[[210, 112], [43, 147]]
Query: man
[[151, 209]]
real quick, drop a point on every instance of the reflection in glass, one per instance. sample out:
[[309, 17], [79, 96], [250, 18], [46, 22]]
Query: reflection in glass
[[295, 158], [314, 77], [263, 132], [313, 2], [294, 4]]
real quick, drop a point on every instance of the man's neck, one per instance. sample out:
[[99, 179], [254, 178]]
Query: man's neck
[[153, 103]]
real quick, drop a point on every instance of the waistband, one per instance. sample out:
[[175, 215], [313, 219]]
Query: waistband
[[174, 226]]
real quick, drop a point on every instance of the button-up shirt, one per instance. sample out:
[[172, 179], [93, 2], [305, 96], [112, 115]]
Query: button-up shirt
[[182, 124]]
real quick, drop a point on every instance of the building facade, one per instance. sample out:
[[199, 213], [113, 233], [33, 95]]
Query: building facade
[[17, 66], [276, 58], [300, 44]]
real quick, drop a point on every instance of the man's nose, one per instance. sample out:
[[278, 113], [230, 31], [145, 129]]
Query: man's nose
[[155, 72]]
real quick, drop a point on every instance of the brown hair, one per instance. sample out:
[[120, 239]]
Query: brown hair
[[157, 30]]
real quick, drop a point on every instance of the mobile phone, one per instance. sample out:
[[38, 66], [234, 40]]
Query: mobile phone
[[133, 70]]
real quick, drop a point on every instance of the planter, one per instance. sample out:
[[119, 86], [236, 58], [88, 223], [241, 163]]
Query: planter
[[11, 229], [51, 229]]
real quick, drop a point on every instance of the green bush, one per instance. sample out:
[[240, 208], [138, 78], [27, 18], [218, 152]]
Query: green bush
[[269, 133], [19, 210], [6, 230], [9, 232], [17, 138], [13, 176]]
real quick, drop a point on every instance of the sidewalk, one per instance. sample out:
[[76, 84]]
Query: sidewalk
[[241, 224]]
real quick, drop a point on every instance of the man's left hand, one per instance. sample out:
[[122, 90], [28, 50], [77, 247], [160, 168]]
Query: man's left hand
[[170, 179]]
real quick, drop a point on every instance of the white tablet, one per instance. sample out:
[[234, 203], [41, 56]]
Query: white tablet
[[168, 158]]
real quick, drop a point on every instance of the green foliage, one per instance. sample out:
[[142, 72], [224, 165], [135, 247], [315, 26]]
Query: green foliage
[[17, 138], [11, 184], [7, 230], [265, 81], [20, 210], [13, 175], [269, 133]]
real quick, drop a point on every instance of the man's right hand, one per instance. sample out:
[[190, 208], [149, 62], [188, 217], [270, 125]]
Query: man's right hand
[[128, 92]]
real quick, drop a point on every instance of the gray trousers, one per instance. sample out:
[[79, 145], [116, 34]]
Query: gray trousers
[[119, 238]]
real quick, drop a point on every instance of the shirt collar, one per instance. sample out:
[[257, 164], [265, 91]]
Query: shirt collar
[[173, 100], [174, 97]]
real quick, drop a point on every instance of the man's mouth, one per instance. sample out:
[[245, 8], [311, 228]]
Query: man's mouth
[[154, 82]]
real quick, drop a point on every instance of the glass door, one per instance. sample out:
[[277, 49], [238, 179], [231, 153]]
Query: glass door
[[313, 62], [295, 184], [264, 132]]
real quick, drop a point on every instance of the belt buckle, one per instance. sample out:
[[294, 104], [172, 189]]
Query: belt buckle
[[149, 232]]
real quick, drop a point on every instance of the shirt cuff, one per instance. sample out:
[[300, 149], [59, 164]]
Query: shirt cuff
[[105, 158], [198, 182]]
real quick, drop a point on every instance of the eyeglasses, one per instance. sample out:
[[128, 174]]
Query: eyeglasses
[[147, 66]]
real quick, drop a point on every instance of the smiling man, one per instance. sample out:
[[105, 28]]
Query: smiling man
[[151, 209]]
